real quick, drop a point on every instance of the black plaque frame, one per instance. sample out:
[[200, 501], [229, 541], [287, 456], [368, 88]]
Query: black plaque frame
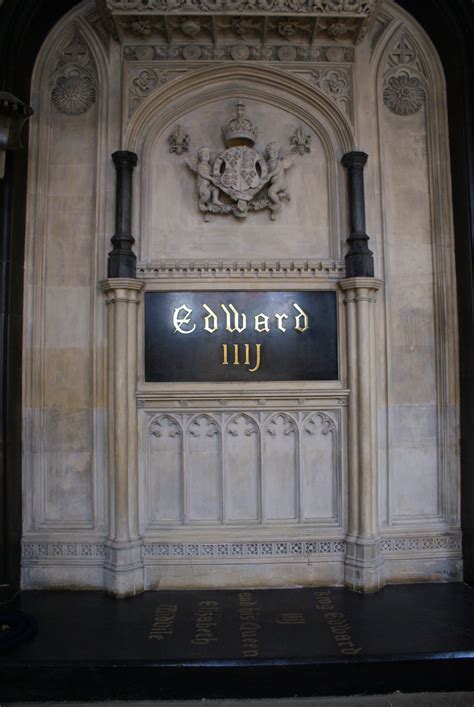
[[197, 357]]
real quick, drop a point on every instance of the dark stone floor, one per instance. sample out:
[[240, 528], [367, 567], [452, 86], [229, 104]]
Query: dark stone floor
[[242, 644]]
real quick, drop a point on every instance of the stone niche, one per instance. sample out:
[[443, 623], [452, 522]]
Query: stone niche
[[131, 485], [302, 229]]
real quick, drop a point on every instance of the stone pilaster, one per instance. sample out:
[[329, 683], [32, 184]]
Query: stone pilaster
[[359, 259], [122, 259], [123, 566], [363, 565]]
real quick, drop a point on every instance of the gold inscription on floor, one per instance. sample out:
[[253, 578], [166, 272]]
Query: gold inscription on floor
[[249, 627], [337, 622], [206, 623], [163, 623]]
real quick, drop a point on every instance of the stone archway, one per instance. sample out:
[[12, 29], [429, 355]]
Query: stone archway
[[132, 95]]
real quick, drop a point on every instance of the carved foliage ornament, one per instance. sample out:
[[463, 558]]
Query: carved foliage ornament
[[356, 7], [240, 179], [295, 20]]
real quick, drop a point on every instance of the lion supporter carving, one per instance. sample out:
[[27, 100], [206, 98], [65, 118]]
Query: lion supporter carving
[[240, 178]]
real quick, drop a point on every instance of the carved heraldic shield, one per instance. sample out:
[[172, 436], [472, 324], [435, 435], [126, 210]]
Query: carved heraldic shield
[[240, 178]]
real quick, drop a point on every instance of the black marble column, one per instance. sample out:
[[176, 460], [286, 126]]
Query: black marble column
[[359, 259], [122, 259]]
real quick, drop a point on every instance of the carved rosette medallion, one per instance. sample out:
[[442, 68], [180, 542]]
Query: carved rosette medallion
[[241, 179], [74, 89], [404, 94], [404, 86], [73, 94]]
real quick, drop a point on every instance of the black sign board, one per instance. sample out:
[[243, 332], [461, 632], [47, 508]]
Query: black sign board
[[240, 336]]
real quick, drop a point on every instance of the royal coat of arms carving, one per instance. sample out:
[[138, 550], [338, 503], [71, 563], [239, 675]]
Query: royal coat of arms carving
[[240, 178]]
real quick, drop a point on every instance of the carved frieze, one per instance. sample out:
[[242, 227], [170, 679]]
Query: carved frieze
[[223, 270], [237, 52], [220, 20], [356, 8], [404, 546], [74, 82]]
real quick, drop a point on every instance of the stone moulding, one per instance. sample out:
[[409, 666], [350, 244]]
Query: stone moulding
[[350, 7], [281, 53], [338, 20], [95, 552], [240, 269], [234, 550]]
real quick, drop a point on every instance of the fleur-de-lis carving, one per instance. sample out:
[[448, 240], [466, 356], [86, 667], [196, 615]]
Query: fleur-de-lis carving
[[301, 141], [179, 141]]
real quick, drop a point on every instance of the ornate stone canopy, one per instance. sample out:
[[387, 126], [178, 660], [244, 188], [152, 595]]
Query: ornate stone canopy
[[229, 23]]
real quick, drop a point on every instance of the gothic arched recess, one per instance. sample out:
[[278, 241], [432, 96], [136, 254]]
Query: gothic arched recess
[[334, 118]]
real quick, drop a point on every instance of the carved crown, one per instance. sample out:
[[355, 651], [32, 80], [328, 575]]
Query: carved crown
[[240, 130]]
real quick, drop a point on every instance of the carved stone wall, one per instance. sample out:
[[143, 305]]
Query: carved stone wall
[[64, 410], [256, 481]]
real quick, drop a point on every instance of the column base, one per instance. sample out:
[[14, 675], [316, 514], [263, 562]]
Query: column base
[[124, 574], [363, 571]]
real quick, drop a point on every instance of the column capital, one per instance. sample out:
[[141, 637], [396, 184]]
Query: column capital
[[125, 158], [121, 283], [357, 283], [355, 160]]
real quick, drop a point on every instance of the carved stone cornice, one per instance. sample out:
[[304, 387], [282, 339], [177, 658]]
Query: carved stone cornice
[[234, 21], [224, 270]]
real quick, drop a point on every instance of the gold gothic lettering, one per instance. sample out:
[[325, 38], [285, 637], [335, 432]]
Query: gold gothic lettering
[[261, 322], [235, 321], [236, 362], [163, 623], [302, 317], [279, 318], [228, 315], [179, 321], [211, 316]]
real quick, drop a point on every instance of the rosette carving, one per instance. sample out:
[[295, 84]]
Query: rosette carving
[[74, 89], [404, 94], [73, 93]]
